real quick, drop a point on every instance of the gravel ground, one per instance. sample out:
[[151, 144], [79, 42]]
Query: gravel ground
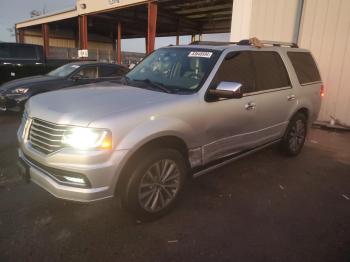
[[265, 207]]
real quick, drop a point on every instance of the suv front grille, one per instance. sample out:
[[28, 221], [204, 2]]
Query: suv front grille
[[46, 137]]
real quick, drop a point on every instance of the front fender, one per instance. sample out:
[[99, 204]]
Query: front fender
[[156, 128]]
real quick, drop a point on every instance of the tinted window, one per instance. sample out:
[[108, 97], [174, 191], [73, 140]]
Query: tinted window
[[109, 71], [305, 67], [270, 71], [4, 51], [89, 72], [23, 52], [237, 67]]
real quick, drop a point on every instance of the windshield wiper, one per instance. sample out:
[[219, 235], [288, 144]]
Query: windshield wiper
[[156, 85]]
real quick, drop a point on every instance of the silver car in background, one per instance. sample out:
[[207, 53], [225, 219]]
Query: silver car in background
[[181, 112]]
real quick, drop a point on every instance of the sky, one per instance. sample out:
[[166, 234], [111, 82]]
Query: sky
[[14, 11]]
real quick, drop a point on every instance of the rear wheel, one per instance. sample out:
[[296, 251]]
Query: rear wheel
[[154, 184], [294, 138]]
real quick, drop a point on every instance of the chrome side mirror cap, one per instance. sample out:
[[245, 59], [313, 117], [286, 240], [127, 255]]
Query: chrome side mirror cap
[[227, 90], [229, 86]]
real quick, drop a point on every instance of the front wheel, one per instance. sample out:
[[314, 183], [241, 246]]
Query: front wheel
[[295, 136], [154, 184]]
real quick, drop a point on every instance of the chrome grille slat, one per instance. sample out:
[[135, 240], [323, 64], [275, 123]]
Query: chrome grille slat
[[41, 131], [46, 137], [47, 127], [35, 134], [41, 149], [37, 140]]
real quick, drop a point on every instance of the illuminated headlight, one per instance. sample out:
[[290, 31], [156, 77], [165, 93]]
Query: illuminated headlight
[[20, 91], [87, 138]]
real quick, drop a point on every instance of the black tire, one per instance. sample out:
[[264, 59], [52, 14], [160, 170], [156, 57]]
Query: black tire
[[145, 171], [294, 138]]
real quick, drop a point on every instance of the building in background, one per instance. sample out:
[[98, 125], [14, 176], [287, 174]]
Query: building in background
[[323, 26]]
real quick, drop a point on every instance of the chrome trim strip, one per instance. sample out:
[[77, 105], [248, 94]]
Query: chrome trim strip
[[38, 130], [211, 168]]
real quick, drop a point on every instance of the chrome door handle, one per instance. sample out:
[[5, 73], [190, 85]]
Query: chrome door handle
[[291, 97], [250, 106]]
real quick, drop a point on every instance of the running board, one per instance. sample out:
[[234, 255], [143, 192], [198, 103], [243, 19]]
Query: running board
[[234, 158]]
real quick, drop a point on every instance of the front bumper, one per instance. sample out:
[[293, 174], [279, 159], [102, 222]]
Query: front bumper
[[101, 169]]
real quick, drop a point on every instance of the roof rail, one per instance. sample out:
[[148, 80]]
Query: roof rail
[[265, 42], [213, 43]]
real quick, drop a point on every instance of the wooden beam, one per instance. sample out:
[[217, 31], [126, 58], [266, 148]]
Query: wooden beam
[[20, 36], [119, 43], [83, 33], [152, 26], [46, 39]]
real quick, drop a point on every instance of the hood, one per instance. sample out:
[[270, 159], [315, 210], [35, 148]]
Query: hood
[[81, 106], [26, 82]]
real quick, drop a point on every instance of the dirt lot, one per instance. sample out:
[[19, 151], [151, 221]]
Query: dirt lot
[[263, 208]]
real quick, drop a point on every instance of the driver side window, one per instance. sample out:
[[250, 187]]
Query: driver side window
[[237, 67], [90, 72]]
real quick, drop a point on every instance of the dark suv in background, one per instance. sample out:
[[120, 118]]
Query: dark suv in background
[[20, 60]]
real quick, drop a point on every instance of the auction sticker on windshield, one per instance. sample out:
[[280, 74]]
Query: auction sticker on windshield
[[200, 54]]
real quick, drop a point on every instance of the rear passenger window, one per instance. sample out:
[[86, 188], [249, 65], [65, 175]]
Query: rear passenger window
[[108, 71], [237, 67], [305, 67], [270, 71]]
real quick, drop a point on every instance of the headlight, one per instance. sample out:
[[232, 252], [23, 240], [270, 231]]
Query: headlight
[[21, 90], [87, 138]]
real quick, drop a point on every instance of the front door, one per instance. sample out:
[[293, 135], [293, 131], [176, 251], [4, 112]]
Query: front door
[[229, 123]]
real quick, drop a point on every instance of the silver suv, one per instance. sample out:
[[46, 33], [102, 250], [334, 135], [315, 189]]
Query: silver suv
[[183, 111]]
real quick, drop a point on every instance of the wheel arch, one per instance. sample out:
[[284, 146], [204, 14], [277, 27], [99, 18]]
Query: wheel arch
[[165, 141]]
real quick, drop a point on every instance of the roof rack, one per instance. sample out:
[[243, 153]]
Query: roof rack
[[213, 43], [264, 42], [251, 42]]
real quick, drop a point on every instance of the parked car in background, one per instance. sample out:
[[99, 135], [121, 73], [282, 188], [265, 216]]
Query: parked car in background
[[14, 94], [20, 60], [183, 111]]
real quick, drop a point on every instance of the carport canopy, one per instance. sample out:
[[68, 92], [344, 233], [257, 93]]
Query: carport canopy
[[135, 20]]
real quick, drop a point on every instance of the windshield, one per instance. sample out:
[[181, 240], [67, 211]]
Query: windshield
[[64, 70], [174, 69]]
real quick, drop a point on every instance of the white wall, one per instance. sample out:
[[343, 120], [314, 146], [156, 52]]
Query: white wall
[[325, 30]]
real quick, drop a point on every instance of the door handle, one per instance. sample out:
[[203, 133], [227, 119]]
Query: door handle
[[250, 106], [291, 97]]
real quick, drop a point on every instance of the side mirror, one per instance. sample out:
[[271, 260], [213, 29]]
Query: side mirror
[[227, 90]]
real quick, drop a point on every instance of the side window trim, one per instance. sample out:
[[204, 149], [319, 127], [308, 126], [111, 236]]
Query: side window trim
[[268, 91]]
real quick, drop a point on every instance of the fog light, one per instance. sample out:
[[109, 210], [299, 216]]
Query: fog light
[[77, 180]]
